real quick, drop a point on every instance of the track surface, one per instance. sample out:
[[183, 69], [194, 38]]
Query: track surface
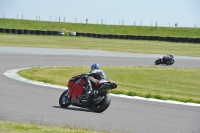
[[25, 102]]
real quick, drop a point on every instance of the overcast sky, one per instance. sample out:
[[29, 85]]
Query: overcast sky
[[144, 12]]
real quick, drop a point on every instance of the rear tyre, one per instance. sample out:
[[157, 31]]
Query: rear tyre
[[64, 99], [103, 105]]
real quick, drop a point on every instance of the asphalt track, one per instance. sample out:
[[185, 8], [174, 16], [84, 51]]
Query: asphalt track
[[24, 102]]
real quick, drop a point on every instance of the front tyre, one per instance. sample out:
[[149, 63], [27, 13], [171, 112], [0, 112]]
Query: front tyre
[[105, 100], [64, 99], [170, 62]]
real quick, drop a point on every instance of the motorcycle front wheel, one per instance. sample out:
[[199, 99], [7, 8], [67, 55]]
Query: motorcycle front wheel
[[102, 103], [64, 99], [170, 62]]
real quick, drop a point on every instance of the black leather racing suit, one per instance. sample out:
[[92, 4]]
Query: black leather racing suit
[[94, 76]]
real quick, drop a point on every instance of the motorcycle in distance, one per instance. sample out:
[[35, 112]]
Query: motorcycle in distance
[[168, 60], [76, 94]]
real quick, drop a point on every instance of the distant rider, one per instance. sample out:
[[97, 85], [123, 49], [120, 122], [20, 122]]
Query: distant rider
[[165, 58]]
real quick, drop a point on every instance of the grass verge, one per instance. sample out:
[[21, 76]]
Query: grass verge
[[179, 84], [151, 47], [104, 29], [16, 127]]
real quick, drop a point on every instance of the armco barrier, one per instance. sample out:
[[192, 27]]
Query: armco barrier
[[133, 37], [20, 31], [144, 37], [150, 37], [128, 37], [161, 38], [183, 39], [122, 36], [83, 34], [156, 38], [89, 35], [2, 30], [8, 31], [78, 34], [49, 32], [14, 31], [116, 36], [197, 40], [94, 35], [26, 31], [55, 33], [99, 36], [38, 32], [168, 39], [111, 36], [32, 32], [105, 35], [43, 32], [191, 40], [139, 38], [174, 39]]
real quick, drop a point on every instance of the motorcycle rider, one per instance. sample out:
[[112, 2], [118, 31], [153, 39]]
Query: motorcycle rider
[[94, 76], [167, 57]]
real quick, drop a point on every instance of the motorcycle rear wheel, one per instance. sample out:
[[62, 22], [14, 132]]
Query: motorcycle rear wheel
[[103, 105], [157, 62], [64, 99]]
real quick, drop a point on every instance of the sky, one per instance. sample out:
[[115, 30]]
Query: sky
[[111, 12]]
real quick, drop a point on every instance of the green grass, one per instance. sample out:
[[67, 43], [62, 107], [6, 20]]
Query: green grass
[[17, 127], [179, 84], [105, 29], [155, 47]]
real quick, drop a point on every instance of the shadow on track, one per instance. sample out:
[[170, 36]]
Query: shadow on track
[[75, 109]]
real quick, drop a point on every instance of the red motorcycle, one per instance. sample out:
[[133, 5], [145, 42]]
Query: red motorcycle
[[99, 100]]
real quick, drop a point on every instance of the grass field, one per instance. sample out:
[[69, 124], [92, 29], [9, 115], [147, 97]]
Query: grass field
[[155, 47], [105, 29], [179, 84]]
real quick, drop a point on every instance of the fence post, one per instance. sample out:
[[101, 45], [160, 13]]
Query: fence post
[[86, 20]]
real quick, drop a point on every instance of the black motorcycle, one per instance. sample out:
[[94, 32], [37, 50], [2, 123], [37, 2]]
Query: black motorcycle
[[165, 60]]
